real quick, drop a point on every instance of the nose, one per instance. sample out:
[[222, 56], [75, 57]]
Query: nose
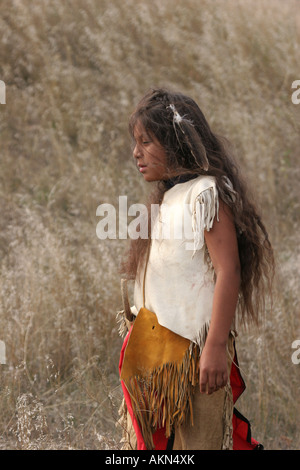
[[137, 151]]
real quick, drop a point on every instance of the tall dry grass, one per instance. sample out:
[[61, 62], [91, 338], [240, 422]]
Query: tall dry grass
[[73, 72]]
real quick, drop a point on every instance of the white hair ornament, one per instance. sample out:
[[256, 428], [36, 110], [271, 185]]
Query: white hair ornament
[[177, 122], [176, 118]]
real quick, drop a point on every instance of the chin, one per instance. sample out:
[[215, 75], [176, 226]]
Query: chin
[[151, 179], [152, 176], [148, 178]]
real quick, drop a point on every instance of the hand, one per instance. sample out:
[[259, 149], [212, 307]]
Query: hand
[[213, 373]]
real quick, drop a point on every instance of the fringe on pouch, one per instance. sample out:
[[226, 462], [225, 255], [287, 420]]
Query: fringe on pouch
[[164, 399]]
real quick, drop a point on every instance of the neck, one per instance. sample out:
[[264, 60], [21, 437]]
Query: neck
[[179, 179]]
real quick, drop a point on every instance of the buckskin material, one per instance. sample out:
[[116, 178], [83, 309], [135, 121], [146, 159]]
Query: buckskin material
[[159, 370]]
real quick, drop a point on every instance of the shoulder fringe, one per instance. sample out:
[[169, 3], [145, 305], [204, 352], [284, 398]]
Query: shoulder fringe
[[206, 208], [164, 399]]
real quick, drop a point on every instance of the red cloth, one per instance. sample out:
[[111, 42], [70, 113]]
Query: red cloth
[[242, 439]]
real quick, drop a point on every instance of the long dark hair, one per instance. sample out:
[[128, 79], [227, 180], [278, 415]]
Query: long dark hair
[[192, 149]]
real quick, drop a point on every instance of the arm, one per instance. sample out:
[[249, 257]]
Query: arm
[[222, 245]]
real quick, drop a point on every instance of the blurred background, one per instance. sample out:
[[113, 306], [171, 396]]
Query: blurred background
[[74, 71]]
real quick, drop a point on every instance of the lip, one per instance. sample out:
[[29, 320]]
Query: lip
[[142, 168]]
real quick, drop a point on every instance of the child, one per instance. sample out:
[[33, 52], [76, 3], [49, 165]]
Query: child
[[207, 261]]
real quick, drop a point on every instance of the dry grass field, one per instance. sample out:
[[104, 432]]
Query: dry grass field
[[73, 72]]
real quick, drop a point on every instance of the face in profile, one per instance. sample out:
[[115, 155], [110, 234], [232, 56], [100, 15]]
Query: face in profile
[[149, 154]]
